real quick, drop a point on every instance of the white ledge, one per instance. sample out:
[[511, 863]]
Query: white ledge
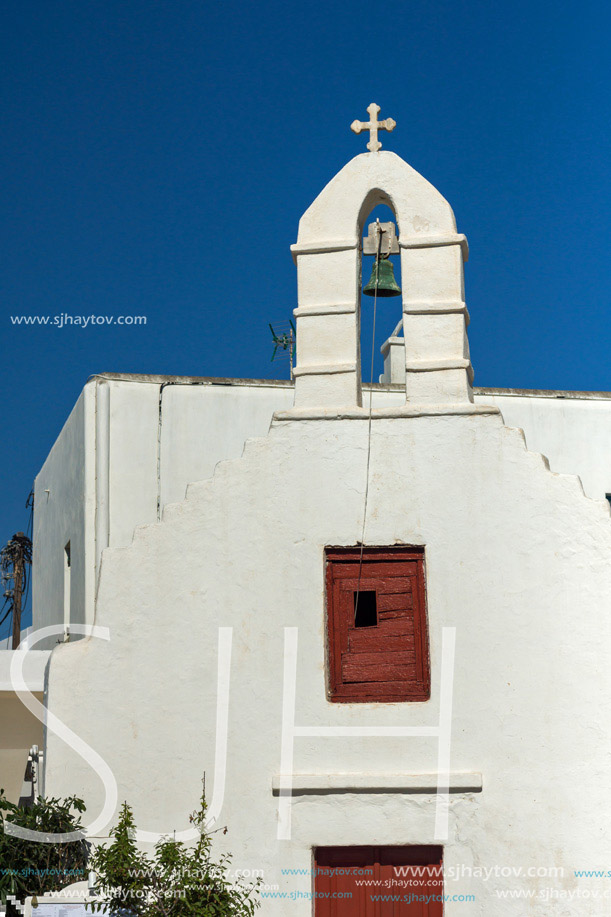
[[355, 413], [342, 308], [342, 245], [389, 342], [437, 307], [321, 248], [324, 784], [323, 369], [431, 366], [436, 241]]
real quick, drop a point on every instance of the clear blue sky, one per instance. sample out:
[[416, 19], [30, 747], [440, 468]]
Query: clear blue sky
[[157, 156]]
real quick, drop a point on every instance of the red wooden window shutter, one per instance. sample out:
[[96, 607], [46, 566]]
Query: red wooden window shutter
[[377, 645]]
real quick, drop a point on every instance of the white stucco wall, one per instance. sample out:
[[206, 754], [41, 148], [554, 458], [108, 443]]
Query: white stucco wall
[[205, 424], [120, 455], [134, 414], [517, 559], [64, 510], [153, 457], [573, 431]]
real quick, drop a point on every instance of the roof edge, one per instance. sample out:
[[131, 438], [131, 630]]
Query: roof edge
[[157, 379]]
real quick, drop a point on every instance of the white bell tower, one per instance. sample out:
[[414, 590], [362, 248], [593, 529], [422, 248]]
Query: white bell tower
[[328, 256]]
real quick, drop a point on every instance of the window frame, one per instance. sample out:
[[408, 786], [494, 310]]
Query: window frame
[[338, 691]]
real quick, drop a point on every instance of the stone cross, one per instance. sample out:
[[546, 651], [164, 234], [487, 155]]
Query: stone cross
[[373, 126]]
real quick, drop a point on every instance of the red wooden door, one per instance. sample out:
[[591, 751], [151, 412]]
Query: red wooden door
[[369, 882]]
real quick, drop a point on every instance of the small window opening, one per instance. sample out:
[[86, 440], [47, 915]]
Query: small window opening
[[365, 609], [67, 589]]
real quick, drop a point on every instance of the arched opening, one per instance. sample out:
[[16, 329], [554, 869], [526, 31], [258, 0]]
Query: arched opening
[[388, 309], [335, 321]]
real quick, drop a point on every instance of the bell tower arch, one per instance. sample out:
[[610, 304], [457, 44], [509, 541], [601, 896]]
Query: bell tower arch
[[328, 258]]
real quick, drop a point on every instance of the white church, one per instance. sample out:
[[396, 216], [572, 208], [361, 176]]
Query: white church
[[376, 617]]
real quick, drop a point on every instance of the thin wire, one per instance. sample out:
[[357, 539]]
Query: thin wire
[[373, 341], [29, 504], [9, 611]]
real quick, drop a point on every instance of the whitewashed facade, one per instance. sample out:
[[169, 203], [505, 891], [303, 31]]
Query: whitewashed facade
[[215, 658], [133, 443]]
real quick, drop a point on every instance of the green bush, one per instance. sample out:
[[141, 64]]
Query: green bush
[[28, 867], [174, 881]]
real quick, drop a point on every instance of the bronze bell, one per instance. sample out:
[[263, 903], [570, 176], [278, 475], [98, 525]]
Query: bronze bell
[[385, 276]]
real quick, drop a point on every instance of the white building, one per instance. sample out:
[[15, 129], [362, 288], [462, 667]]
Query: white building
[[236, 645], [133, 443]]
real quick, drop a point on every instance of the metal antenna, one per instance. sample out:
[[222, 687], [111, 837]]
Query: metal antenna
[[285, 341]]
